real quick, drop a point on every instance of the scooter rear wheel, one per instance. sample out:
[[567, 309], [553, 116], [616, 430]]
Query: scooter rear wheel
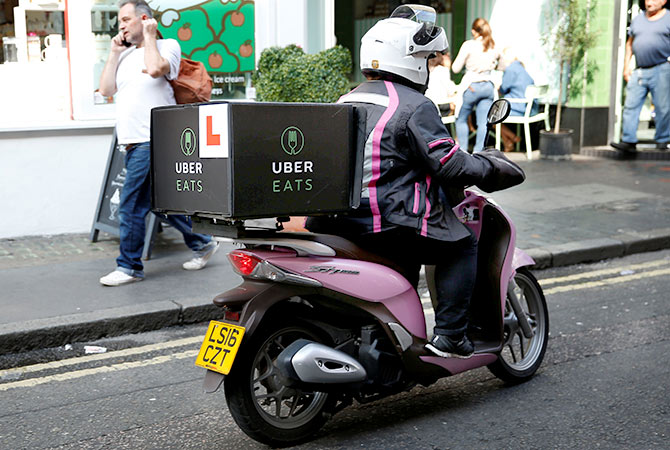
[[521, 357], [261, 404]]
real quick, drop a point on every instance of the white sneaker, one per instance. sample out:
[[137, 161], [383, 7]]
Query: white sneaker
[[117, 278], [200, 259]]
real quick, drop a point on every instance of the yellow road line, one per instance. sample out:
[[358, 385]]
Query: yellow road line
[[597, 273], [98, 370], [608, 281], [197, 339], [100, 356]]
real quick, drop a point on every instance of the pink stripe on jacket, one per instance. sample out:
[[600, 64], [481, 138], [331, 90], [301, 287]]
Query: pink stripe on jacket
[[377, 134]]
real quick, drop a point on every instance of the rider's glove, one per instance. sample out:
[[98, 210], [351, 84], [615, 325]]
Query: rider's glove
[[490, 170], [504, 173]]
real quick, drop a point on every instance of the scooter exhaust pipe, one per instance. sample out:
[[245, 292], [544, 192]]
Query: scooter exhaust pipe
[[310, 362]]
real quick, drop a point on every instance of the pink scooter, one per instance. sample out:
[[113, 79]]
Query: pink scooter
[[318, 322]]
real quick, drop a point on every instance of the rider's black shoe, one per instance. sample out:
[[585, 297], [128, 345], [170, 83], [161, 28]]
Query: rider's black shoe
[[446, 347]]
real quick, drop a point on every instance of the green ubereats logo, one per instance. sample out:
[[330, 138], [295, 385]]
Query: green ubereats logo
[[189, 142], [292, 141]]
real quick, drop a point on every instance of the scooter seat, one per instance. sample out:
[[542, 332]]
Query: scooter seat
[[344, 248]]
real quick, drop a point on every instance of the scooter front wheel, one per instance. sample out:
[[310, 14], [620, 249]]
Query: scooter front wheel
[[261, 404], [521, 357]]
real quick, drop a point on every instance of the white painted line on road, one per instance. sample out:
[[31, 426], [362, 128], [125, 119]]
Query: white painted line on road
[[598, 273], [608, 281], [10, 373], [98, 370]]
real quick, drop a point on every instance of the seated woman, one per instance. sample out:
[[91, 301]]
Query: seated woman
[[514, 83]]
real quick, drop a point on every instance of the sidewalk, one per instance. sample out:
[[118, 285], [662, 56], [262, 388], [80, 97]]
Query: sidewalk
[[566, 212]]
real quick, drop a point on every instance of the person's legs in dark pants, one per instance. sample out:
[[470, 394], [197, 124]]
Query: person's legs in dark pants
[[455, 282], [660, 95], [485, 92], [394, 245], [134, 206], [462, 129], [455, 276], [202, 245], [636, 93]]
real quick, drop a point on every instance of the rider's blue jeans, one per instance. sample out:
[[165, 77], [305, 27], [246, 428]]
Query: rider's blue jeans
[[133, 209], [478, 97], [654, 80]]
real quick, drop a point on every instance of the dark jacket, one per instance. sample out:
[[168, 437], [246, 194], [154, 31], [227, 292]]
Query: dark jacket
[[409, 155]]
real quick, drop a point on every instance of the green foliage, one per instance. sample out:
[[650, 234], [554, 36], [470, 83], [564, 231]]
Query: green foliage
[[288, 74], [568, 41]]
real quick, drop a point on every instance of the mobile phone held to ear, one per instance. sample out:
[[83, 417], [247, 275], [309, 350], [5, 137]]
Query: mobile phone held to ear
[[125, 43]]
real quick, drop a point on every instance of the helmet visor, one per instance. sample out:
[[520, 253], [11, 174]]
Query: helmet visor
[[417, 13]]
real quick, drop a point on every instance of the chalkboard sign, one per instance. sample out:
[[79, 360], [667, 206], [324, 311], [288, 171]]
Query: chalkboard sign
[[107, 212]]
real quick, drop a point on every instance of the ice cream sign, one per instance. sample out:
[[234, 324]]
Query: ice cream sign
[[218, 33]]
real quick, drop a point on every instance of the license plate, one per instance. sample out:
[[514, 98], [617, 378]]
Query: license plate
[[220, 346]]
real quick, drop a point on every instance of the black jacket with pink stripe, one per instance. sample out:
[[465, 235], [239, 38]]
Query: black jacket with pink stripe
[[409, 155]]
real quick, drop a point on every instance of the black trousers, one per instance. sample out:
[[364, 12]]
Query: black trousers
[[455, 270]]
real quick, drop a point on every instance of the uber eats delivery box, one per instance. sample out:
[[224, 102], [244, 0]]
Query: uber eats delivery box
[[250, 160]]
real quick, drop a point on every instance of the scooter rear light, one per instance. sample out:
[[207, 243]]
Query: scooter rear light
[[233, 316], [243, 263], [251, 266]]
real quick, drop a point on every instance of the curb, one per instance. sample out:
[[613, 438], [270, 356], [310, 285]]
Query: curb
[[61, 330], [57, 331], [643, 154], [591, 250]]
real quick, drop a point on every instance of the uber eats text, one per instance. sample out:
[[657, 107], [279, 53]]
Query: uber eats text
[[297, 171], [188, 168]]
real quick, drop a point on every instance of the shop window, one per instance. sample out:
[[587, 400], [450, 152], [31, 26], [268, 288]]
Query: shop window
[[34, 57], [93, 24], [104, 26]]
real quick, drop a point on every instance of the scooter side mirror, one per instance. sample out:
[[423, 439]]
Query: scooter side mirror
[[499, 111]]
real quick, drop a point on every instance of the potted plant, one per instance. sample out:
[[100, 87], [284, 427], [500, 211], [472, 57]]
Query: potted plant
[[288, 74], [567, 41]]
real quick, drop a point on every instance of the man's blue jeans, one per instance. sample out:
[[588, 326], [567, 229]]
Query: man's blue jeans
[[478, 97], [654, 80], [134, 207]]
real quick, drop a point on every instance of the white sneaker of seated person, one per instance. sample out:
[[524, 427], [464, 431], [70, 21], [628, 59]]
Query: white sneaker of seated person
[[201, 257], [117, 278]]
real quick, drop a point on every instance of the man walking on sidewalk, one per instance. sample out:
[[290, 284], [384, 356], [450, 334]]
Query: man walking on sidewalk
[[649, 41], [137, 71]]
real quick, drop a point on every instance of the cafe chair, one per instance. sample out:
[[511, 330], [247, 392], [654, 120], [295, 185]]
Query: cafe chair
[[533, 93]]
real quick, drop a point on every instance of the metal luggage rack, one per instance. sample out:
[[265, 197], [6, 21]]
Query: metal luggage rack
[[237, 231], [233, 228]]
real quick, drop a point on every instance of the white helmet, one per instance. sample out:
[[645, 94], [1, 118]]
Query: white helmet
[[402, 44]]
